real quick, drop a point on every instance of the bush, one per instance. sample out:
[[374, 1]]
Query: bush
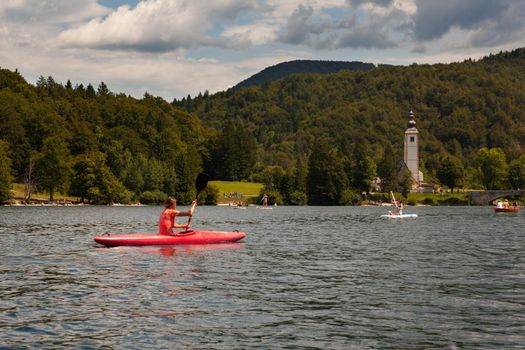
[[153, 197], [298, 198], [124, 196], [210, 195], [428, 201], [350, 197], [382, 197], [453, 201]]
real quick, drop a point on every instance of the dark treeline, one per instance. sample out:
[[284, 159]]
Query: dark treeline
[[310, 138]]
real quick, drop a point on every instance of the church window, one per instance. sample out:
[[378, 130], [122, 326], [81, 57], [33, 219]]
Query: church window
[[411, 138]]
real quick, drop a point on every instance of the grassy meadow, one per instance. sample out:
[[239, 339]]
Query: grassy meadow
[[233, 191]]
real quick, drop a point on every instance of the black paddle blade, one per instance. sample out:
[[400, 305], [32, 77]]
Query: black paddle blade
[[201, 182]]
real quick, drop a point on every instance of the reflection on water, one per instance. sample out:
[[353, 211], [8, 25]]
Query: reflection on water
[[316, 277], [177, 250]]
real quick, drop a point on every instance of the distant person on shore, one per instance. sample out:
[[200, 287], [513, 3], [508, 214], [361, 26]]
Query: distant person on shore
[[167, 217], [264, 200]]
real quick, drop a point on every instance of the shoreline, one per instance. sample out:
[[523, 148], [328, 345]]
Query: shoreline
[[63, 203]]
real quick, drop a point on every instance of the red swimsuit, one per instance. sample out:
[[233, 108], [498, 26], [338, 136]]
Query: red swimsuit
[[166, 221]]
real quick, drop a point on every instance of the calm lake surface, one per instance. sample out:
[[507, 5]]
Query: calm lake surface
[[303, 278]]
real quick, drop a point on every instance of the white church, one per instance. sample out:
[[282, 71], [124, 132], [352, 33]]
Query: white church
[[410, 160], [411, 153]]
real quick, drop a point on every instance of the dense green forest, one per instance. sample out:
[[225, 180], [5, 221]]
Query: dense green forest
[[99, 146], [470, 115], [310, 138]]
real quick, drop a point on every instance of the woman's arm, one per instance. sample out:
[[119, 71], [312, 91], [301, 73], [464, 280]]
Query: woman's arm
[[189, 212]]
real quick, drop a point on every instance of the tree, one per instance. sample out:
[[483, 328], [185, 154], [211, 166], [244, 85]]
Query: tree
[[326, 177], [387, 170], [210, 195], [5, 172], [364, 168], [450, 172], [90, 91], [83, 177], [406, 182], [94, 181], [516, 173], [29, 178], [52, 168], [235, 153], [103, 90], [493, 166], [153, 175]]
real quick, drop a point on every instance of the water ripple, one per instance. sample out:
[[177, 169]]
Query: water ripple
[[304, 278]]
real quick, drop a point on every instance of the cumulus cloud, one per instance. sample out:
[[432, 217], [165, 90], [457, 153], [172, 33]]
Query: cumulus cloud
[[252, 34], [356, 3], [159, 25], [34, 24], [37, 11], [433, 19], [307, 27], [507, 29], [382, 24]]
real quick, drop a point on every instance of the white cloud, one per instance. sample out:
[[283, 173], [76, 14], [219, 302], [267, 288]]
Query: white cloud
[[52, 11], [254, 34], [159, 25]]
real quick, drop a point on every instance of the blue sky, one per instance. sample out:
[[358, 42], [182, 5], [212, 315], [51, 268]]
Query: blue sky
[[172, 48]]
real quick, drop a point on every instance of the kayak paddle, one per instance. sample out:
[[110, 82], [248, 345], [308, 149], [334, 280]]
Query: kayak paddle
[[200, 184]]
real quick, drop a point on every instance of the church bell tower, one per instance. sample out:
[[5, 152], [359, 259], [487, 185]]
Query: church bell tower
[[411, 150]]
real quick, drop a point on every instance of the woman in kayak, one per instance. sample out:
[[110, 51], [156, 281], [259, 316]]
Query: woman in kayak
[[167, 217]]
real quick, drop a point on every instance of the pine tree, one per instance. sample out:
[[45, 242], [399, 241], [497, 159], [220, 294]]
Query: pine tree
[[52, 167], [326, 177]]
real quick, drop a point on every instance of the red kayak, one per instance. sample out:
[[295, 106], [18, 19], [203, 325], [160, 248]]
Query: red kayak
[[189, 237]]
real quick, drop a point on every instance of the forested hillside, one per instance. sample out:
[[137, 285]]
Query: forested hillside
[[357, 119], [284, 69], [310, 138], [97, 145]]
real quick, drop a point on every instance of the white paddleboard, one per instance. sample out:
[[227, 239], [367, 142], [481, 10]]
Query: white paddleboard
[[397, 216]]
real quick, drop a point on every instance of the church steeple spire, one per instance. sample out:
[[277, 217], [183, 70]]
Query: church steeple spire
[[411, 120]]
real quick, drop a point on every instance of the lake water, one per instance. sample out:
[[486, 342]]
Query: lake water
[[303, 278]]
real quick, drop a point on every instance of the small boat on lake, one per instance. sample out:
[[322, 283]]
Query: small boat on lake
[[511, 209], [506, 207]]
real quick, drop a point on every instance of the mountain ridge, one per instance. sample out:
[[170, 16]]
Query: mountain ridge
[[283, 69]]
